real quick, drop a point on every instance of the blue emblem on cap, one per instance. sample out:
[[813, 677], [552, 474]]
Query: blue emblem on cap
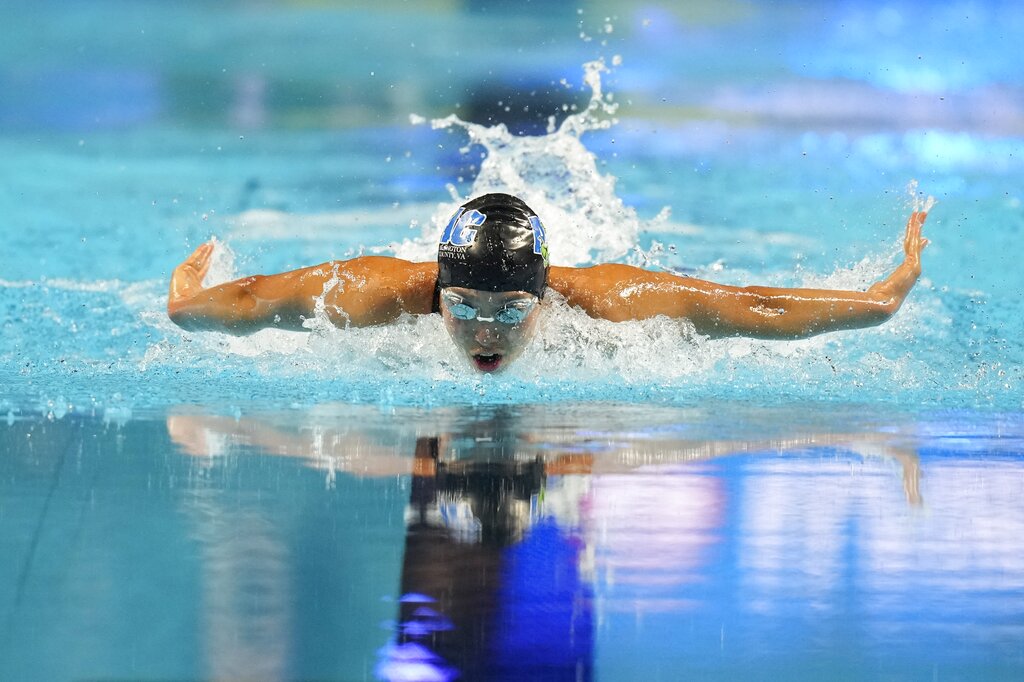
[[540, 238]]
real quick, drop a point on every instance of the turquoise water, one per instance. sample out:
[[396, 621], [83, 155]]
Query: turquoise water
[[196, 506], [764, 215], [765, 179]]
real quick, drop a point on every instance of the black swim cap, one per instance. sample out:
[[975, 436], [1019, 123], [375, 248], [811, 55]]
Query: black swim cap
[[494, 243]]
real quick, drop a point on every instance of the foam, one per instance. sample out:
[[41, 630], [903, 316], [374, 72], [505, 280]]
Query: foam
[[555, 174]]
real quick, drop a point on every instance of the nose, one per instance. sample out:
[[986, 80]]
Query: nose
[[487, 335]]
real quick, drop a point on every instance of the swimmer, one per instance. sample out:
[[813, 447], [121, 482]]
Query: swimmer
[[490, 280]]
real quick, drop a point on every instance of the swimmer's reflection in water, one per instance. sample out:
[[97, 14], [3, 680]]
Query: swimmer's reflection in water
[[497, 572], [491, 278], [491, 583]]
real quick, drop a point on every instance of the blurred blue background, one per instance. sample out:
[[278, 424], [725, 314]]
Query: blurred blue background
[[97, 66]]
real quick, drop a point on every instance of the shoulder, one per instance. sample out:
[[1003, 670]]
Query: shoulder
[[618, 292], [389, 269], [380, 287], [596, 289], [606, 274]]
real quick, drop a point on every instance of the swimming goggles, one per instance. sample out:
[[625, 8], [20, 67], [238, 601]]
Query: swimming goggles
[[513, 313]]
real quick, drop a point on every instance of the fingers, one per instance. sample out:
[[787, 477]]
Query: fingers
[[199, 260], [913, 242], [197, 264], [187, 278]]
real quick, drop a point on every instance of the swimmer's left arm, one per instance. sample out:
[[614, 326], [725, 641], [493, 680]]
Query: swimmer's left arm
[[622, 292]]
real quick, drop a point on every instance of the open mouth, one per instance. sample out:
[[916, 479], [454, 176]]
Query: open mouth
[[487, 363]]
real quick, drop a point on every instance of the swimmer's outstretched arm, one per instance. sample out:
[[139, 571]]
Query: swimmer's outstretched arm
[[360, 292], [623, 292]]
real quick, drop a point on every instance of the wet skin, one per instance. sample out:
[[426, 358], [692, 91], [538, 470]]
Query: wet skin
[[377, 290], [488, 344]]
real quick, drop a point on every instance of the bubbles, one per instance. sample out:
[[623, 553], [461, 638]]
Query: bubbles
[[322, 320], [118, 415], [919, 203], [222, 264]]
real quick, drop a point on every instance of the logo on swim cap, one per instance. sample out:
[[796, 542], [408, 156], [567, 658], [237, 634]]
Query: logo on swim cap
[[459, 231], [494, 243], [540, 239]]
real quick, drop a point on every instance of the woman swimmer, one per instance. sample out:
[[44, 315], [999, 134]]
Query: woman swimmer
[[489, 281]]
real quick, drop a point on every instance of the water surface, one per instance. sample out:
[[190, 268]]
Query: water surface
[[598, 542], [629, 501]]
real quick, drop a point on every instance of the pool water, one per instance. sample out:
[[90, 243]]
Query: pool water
[[628, 501], [606, 541]]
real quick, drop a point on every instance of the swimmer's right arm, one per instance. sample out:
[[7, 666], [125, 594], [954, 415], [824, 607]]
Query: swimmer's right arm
[[359, 292]]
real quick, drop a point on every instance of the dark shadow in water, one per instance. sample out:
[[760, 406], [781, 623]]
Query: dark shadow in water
[[491, 586]]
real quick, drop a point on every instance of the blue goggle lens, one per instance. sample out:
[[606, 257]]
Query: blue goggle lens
[[512, 314], [461, 311]]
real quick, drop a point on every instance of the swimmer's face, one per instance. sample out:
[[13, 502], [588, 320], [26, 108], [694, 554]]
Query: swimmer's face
[[492, 328]]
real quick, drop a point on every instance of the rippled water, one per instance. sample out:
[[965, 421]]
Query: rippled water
[[98, 218], [87, 330], [629, 501]]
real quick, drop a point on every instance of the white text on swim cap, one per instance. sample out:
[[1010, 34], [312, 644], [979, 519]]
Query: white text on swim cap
[[459, 231]]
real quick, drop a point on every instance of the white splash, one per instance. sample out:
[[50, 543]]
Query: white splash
[[414, 360], [222, 264], [556, 175], [918, 202]]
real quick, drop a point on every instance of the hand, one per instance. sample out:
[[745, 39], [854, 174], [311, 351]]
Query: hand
[[897, 285], [913, 242], [187, 279]]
